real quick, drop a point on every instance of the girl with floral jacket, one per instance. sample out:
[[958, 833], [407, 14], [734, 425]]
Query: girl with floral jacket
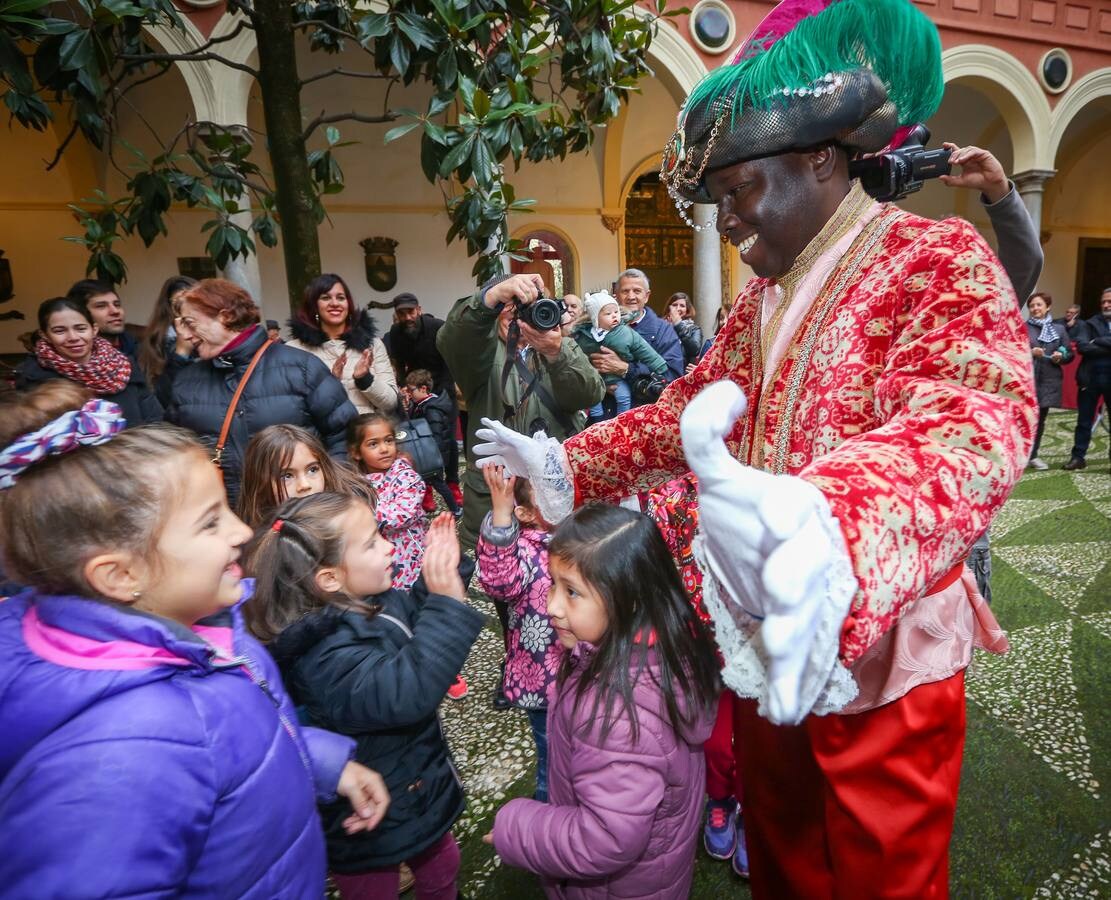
[[513, 568]]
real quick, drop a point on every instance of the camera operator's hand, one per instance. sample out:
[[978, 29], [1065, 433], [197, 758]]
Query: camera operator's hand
[[546, 343], [980, 171], [609, 363], [525, 288]]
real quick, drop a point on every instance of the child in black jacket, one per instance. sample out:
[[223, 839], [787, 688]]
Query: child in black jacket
[[439, 411], [373, 663]]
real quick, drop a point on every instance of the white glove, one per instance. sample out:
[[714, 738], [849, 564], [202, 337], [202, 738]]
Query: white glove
[[539, 458], [770, 542]]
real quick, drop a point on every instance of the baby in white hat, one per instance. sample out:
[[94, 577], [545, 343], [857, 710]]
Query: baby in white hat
[[605, 329]]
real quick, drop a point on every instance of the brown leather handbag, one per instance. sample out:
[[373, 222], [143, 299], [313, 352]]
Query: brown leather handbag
[[226, 427]]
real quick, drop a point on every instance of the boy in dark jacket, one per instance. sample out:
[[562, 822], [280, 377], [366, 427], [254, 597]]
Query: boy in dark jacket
[[439, 412]]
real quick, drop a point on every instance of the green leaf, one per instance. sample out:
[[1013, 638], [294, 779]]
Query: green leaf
[[436, 133], [456, 156], [481, 103], [399, 55], [448, 71], [482, 162], [400, 131], [415, 29], [77, 50], [331, 135], [373, 25]]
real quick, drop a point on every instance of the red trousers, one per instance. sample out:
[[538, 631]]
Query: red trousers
[[857, 806], [721, 753]]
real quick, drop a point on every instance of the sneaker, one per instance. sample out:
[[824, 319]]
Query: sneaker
[[1037, 463], [740, 855], [459, 689], [456, 492], [719, 836], [428, 504], [1077, 462]]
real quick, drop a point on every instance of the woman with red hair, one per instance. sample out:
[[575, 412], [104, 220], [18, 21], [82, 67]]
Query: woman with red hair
[[286, 386]]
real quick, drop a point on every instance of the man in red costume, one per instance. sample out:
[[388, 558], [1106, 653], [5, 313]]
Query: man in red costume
[[859, 419]]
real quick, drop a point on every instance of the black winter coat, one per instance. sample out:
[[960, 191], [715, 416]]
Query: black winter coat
[[440, 414], [136, 400], [288, 387], [1093, 342], [381, 680], [419, 352], [690, 339]]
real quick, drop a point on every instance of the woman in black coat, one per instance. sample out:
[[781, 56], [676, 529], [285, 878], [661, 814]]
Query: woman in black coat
[[68, 347], [1049, 345], [680, 313], [288, 386]]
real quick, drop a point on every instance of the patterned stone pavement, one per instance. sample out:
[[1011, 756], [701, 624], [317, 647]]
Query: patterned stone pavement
[[1033, 819]]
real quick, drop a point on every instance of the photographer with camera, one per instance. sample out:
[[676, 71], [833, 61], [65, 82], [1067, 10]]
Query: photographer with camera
[[508, 369]]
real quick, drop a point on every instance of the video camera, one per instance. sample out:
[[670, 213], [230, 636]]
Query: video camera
[[902, 171], [543, 314]]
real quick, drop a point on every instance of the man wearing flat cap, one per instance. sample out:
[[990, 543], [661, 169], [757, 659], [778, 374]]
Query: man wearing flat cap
[[863, 413]]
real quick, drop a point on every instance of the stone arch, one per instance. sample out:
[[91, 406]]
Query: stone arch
[[1014, 91], [1088, 89], [682, 66], [219, 93]]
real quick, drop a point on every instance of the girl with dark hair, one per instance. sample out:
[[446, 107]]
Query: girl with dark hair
[[163, 351], [283, 462], [634, 703], [373, 663], [69, 346], [329, 326]]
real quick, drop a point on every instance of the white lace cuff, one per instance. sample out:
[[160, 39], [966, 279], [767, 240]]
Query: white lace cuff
[[827, 686], [553, 487]]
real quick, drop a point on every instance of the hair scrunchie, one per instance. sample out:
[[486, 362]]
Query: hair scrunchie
[[93, 423]]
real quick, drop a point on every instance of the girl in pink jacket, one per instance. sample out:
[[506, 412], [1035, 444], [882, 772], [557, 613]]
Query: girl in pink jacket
[[633, 705]]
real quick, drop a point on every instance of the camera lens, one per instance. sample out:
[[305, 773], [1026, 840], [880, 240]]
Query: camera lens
[[545, 314]]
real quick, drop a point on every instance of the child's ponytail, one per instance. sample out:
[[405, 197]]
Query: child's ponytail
[[305, 537]]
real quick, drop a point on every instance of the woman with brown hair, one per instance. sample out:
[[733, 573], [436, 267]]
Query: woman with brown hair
[[286, 386], [680, 313], [69, 346], [162, 351]]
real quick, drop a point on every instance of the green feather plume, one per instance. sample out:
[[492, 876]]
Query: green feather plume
[[891, 37]]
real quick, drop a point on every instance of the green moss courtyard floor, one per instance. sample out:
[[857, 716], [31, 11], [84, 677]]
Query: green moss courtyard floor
[[1033, 818]]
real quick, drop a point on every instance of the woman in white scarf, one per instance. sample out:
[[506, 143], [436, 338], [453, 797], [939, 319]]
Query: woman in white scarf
[[1049, 345]]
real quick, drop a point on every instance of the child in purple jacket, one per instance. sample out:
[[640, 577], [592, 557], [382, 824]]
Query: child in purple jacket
[[634, 702], [513, 568]]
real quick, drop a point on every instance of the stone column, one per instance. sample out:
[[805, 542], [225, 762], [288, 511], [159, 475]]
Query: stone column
[[707, 267], [1030, 186]]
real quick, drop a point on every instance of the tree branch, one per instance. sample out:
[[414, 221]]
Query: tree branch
[[346, 117], [188, 57], [62, 147], [342, 71], [329, 27]]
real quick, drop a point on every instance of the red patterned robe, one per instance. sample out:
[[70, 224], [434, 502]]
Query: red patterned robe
[[906, 396]]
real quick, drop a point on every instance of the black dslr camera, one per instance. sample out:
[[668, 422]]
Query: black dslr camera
[[543, 314], [901, 171]]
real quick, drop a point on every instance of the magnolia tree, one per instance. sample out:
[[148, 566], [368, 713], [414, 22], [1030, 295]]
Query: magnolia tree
[[508, 81]]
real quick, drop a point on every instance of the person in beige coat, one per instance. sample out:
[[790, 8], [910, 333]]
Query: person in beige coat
[[345, 339]]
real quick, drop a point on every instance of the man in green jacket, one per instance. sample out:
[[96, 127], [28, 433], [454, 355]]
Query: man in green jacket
[[473, 344]]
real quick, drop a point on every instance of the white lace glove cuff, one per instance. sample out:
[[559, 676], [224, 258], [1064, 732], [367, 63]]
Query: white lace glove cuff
[[540, 459], [826, 685]]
